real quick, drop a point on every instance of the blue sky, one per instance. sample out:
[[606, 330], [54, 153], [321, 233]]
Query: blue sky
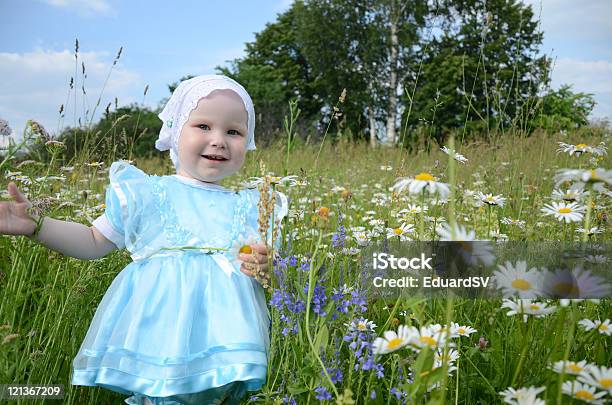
[[163, 41]]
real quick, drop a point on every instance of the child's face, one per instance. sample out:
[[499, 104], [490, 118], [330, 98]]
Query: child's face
[[217, 127]]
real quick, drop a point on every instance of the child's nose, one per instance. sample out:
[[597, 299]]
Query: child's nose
[[217, 138]]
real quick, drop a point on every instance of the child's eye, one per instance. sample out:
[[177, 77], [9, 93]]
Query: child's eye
[[234, 132], [203, 125]]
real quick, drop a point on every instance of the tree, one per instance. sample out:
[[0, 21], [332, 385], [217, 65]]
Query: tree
[[562, 110], [480, 67], [127, 132], [368, 44], [275, 71]]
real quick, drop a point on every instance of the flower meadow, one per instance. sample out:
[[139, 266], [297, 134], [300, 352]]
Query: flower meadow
[[332, 340]]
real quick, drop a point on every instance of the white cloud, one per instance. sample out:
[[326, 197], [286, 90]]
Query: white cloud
[[588, 77], [84, 6], [35, 84], [576, 18]]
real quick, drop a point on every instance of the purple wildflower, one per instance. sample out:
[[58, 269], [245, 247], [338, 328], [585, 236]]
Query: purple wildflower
[[339, 237], [322, 394], [319, 299]]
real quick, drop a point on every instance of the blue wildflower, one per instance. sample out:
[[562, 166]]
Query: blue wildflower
[[339, 237], [319, 299], [322, 394]]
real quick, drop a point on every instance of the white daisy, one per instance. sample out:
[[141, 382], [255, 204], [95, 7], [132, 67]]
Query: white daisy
[[582, 148], [598, 175], [403, 232], [596, 259], [473, 252], [450, 358], [428, 336], [527, 307], [362, 238], [516, 280], [420, 182], [569, 367], [512, 396], [254, 181], [458, 330], [393, 341], [412, 209], [514, 222], [568, 212], [603, 328], [491, 199], [570, 195], [598, 376], [590, 232], [457, 156], [361, 325], [576, 283], [583, 392], [243, 245]]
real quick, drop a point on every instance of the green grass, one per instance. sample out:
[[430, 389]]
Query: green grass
[[48, 300]]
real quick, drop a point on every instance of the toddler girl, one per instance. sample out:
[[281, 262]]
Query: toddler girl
[[180, 324]]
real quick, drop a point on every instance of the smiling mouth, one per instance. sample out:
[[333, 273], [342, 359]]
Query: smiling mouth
[[217, 158]]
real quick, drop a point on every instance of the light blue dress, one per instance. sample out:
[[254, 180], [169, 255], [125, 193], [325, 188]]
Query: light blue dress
[[176, 325]]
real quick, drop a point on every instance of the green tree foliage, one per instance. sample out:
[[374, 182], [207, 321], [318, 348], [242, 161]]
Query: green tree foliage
[[275, 71], [357, 54], [480, 67], [122, 134], [562, 110]]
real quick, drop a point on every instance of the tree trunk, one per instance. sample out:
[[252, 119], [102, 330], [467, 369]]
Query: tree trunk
[[392, 113], [372, 127]]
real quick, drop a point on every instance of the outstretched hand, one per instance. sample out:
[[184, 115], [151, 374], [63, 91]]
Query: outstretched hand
[[14, 217], [251, 261]]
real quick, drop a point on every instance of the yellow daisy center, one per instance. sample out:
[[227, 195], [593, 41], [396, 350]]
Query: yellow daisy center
[[467, 246], [461, 331], [594, 176], [490, 199], [582, 394], [246, 249], [521, 284], [603, 327], [394, 343], [428, 340], [398, 231], [567, 289], [574, 368], [534, 307], [581, 146], [361, 326], [424, 177], [565, 210], [606, 382]]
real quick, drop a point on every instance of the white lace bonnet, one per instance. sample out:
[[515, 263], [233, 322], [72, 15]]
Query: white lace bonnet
[[185, 98]]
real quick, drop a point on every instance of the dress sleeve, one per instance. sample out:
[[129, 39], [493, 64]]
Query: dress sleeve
[[122, 202]]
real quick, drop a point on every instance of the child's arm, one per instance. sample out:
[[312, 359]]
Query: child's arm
[[70, 238]]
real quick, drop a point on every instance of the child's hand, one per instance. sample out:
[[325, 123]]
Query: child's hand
[[14, 217], [251, 261]]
